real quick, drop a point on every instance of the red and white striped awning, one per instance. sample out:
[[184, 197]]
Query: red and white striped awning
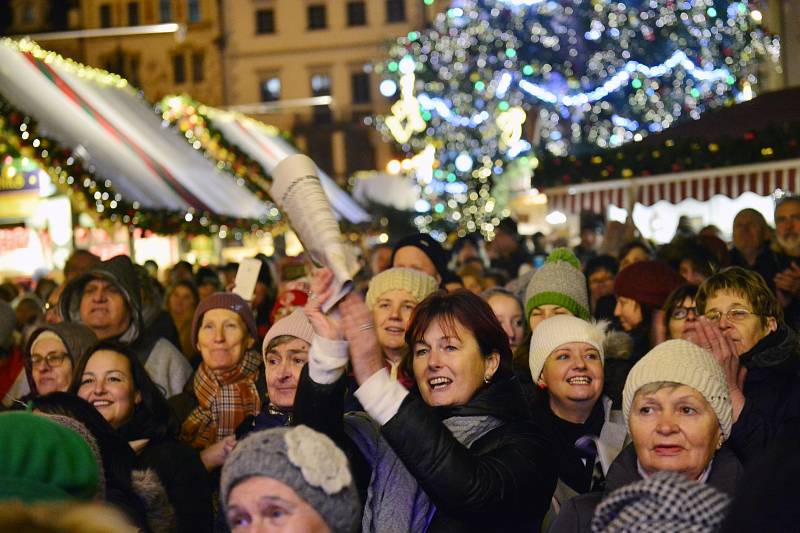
[[762, 179]]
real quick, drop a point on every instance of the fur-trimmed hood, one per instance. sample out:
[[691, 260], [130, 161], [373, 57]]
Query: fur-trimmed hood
[[150, 490], [617, 345]]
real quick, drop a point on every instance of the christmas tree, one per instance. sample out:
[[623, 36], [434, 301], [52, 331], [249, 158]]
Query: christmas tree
[[493, 82]]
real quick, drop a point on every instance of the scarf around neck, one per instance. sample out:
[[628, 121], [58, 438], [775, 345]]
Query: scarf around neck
[[224, 400]]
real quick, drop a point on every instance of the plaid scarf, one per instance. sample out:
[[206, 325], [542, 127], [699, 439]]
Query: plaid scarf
[[224, 399]]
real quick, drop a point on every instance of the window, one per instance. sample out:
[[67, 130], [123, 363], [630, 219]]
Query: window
[[359, 83], [197, 66], [395, 11], [356, 14], [165, 10], [321, 86], [29, 14], [265, 21], [270, 89], [105, 16], [133, 13], [193, 10], [316, 17], [178, 69]]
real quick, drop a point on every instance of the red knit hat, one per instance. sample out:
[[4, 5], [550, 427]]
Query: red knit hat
[[224, 300], [287, 302], [647, 282]]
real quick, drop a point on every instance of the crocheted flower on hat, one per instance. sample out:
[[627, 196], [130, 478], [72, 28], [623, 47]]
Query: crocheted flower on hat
[[322, 464]]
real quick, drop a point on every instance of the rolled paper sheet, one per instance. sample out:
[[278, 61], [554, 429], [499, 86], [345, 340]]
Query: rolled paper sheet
[[297, 191]]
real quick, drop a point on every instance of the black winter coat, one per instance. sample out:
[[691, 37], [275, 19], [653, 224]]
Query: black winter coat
[[502, 482], [576, 514], [772, 394]]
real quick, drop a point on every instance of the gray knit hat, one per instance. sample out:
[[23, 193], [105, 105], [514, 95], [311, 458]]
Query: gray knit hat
[[663, 503], [559, 282], [683, 362], [305, 460], [416, 283]]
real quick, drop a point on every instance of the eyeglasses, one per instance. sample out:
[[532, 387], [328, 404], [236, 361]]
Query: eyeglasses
[[680, 312], [731, 315], [52, 360]]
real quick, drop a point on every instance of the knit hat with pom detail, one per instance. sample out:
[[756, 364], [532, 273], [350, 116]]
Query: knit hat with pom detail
[[296, 325], [416, 283], [559, 330], [683, 362], [647, 282], [559, 282]]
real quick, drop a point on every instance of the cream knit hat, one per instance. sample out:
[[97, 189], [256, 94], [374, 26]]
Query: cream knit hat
[[559, 330], [296, 325], [686, 363], [416, 283]]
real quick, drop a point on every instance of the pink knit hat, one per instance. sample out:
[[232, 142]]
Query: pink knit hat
[[224, 300], [296, 325]]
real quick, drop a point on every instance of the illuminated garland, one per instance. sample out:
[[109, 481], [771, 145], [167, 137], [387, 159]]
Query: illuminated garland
[[94, 195]]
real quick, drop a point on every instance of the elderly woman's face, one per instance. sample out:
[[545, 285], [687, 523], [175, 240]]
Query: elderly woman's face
[[283, 364], [260, 504], [222, 339], [573, 374], [674, 429], [51, 366], [448, 365], [543, 312], [746, 331]]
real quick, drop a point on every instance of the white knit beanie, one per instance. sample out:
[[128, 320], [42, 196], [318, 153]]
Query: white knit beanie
[[416, 283], [686, 363], [559, 330], [296, 325]]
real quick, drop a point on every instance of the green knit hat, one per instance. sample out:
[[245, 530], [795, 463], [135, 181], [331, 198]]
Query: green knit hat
[[559, 282], [41, 460]]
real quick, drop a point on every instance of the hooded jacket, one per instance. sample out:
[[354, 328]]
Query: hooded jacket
[[164, 363], [772, 394], [77, 339]]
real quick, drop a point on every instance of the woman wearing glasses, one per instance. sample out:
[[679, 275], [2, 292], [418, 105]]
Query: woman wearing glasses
[[51, 354], [742, 325], [680, 312]]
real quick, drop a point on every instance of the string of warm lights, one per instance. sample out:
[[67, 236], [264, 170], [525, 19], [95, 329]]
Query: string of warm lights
[[577, 76]]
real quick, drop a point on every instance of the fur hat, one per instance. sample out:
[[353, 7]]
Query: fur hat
[[224, 300], [686, 363], [416, 283], [559, 330], [306, 461], [296, 325], [647, 282], [559, 282]]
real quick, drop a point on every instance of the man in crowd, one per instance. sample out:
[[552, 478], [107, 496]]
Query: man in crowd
[[751, 245], [508, 250], [787, 235]]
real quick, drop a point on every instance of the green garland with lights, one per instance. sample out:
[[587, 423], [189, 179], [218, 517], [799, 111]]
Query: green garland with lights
[[20, 138], [774, 143]]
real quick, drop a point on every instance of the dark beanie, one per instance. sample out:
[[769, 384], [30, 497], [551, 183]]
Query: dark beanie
[[224, 300], [429, 247], [647, 282]]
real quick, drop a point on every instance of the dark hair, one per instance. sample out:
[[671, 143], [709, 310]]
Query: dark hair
[[596, 263], [152, 417], [677, 297], [469, 310], [207, 276], [115, 452], [190, 286], [635, 243]]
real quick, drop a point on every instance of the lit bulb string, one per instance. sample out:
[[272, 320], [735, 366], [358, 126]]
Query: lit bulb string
[[613, 84]]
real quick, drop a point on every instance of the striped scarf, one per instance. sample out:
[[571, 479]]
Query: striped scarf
[[224, 400]]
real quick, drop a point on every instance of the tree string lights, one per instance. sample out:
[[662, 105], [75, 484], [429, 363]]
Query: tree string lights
[[577, 76]]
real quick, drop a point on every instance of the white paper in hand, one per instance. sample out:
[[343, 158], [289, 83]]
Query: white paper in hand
[[247, 277], [297, 191]]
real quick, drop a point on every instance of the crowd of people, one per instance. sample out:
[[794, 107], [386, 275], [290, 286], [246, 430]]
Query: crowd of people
[[510, 385]]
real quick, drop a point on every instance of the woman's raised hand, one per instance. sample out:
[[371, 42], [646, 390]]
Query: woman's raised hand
[[359, 330], [322, 288]]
